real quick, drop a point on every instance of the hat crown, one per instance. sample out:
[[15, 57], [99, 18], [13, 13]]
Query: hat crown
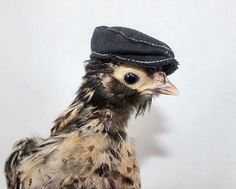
[[131, 47]]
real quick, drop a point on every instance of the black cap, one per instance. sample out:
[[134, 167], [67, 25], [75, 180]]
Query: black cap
[[131, 47]]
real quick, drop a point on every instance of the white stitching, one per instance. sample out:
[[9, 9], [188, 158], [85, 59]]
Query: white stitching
[[102, 54], [139, 40], [146, 62], [127, 59]]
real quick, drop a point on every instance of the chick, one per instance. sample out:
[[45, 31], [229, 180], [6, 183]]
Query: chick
[[89, 147]]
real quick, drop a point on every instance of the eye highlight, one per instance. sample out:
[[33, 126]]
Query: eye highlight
[[131, 78]]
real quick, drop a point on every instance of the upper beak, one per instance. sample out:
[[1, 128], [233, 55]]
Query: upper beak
[[167, 88]]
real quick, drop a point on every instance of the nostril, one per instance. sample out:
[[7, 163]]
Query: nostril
[[163, 76]]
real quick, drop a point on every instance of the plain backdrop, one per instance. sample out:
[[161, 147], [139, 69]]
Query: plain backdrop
[[185, 142]]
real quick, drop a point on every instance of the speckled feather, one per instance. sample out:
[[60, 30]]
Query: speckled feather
[[88, 147]]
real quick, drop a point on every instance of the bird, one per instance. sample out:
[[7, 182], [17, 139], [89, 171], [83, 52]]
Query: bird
[[89, 147]]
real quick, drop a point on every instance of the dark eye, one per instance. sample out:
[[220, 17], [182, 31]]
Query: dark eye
[[131, 78]]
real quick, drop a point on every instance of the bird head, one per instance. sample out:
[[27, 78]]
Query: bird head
[[114, 87], [121, 86], [145, 82]]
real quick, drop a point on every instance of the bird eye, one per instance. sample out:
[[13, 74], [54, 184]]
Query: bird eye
[[131, 78]]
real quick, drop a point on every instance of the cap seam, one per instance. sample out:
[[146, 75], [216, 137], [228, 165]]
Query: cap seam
[[128, 59], [145, 62], [142, 41]]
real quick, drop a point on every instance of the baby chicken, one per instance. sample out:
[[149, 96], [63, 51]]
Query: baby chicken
[[89, 147]]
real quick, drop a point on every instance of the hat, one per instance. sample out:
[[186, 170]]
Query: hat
[[130, 46]]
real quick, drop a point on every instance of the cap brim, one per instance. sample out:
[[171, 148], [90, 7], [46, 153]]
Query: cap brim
[[169, 65]]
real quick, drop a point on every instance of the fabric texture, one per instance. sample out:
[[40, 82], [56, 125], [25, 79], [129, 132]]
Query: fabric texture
[[130, 46]]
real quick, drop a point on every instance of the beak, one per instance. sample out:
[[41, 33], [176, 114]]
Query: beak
[[161, 85], [167, 88]]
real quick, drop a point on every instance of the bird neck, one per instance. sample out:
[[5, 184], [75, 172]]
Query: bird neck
[[90, 119]]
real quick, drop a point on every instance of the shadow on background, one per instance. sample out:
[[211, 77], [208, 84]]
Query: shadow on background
[[145, 131]]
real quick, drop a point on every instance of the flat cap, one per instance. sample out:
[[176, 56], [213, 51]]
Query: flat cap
[[131, 47]]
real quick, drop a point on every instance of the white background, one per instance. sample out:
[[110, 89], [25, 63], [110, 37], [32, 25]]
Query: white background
[[185, 142]]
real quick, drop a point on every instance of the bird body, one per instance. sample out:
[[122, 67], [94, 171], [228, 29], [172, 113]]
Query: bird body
[[88, 147], [78, 160]]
